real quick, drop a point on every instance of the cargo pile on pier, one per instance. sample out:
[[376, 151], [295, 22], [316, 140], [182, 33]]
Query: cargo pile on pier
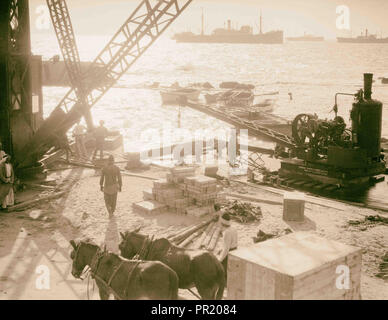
[[182, 192]]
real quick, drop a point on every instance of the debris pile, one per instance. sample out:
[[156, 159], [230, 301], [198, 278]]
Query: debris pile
[[181, 192], [369, 221], [262, 236], [243, 212], [383, 268]]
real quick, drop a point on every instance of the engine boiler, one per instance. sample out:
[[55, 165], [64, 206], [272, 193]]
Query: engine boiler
[[328, 152]]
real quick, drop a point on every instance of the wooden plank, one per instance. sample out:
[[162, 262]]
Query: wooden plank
[[190, 239], [210, 235], [177, 232], [34, 202], [204, 235], [190, 231], [214, 239]]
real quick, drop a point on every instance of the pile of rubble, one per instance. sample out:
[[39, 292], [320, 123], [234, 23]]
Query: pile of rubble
[[243, 212], [181, 192]]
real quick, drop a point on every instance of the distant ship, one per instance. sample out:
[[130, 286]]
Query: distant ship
[[367, 38], [306, 37], [230, 35]]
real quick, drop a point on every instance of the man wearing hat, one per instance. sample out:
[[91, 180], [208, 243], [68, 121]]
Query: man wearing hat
[[229, 241], [3, 155], [111, 184]]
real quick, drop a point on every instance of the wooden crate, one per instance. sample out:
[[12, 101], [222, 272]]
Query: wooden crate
[[294, 267], [293, 206]]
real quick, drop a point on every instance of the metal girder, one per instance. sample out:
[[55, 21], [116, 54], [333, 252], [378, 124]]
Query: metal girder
[[137, 34], [63, 27], [15, 48], [148, 21]]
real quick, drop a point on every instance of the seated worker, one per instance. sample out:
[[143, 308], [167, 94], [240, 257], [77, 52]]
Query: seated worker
[[3, 155], [230, 241], [7, 179]]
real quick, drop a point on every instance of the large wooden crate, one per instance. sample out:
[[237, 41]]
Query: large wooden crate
[[297, 266]]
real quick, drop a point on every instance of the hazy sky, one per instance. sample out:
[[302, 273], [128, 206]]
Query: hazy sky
[[293, 16]]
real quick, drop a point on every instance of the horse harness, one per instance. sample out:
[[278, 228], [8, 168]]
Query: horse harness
[[94, 272]]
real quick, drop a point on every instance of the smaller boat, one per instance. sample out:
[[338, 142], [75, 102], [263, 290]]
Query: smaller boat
[[266, 106], [238, 98], [236, 86], [211, 98], [174, 96]]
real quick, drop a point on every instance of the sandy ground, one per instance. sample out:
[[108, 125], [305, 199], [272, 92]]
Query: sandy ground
[[40, 236]]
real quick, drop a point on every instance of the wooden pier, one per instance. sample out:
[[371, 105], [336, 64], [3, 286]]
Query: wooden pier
[[260, 124]]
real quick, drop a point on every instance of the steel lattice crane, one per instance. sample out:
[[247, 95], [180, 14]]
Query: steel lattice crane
[[148, 21], [63, 27]]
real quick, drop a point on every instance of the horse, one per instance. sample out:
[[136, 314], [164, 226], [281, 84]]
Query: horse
[[125, 279], [198, 268]]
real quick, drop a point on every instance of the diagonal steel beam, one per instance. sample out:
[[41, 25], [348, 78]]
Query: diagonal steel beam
[[147, 22]]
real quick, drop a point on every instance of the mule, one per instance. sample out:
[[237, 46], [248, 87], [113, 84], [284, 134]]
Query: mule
[[198, 268], [125, 279]]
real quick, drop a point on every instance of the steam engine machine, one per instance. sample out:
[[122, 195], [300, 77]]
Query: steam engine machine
[[329, 153]]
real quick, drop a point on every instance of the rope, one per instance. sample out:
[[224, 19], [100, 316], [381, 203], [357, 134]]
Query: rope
[[193, 293]]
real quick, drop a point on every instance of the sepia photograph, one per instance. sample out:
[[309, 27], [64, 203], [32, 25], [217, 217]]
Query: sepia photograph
[[188, 150]]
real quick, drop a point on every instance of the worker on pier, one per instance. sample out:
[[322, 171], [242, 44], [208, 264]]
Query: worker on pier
[[7, 178], [61, 142], [230, 241], [111, 184], [79, 134], [100, 134], [2, 154]]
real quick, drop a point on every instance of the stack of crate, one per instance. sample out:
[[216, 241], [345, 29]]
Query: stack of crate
[[201, 190], [184, 193]]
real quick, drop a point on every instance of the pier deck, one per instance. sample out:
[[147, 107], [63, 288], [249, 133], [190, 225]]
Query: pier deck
[[261, 124]]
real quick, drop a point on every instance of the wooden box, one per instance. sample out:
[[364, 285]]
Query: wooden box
[[297, 266], [293, 206]]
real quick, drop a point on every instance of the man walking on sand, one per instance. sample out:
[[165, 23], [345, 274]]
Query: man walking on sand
[[111, 184]]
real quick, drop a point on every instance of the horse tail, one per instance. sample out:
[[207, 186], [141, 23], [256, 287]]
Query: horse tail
[[221, 281], [174, 285]]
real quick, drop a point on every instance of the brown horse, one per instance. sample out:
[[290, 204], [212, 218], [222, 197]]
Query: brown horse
[[198, 268], [125, 279]]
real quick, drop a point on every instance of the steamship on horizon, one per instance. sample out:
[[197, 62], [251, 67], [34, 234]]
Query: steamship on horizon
[[231, 35], [367, 38]]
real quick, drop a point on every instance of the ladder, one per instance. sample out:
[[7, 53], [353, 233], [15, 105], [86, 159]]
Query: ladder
[[148, 21]]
